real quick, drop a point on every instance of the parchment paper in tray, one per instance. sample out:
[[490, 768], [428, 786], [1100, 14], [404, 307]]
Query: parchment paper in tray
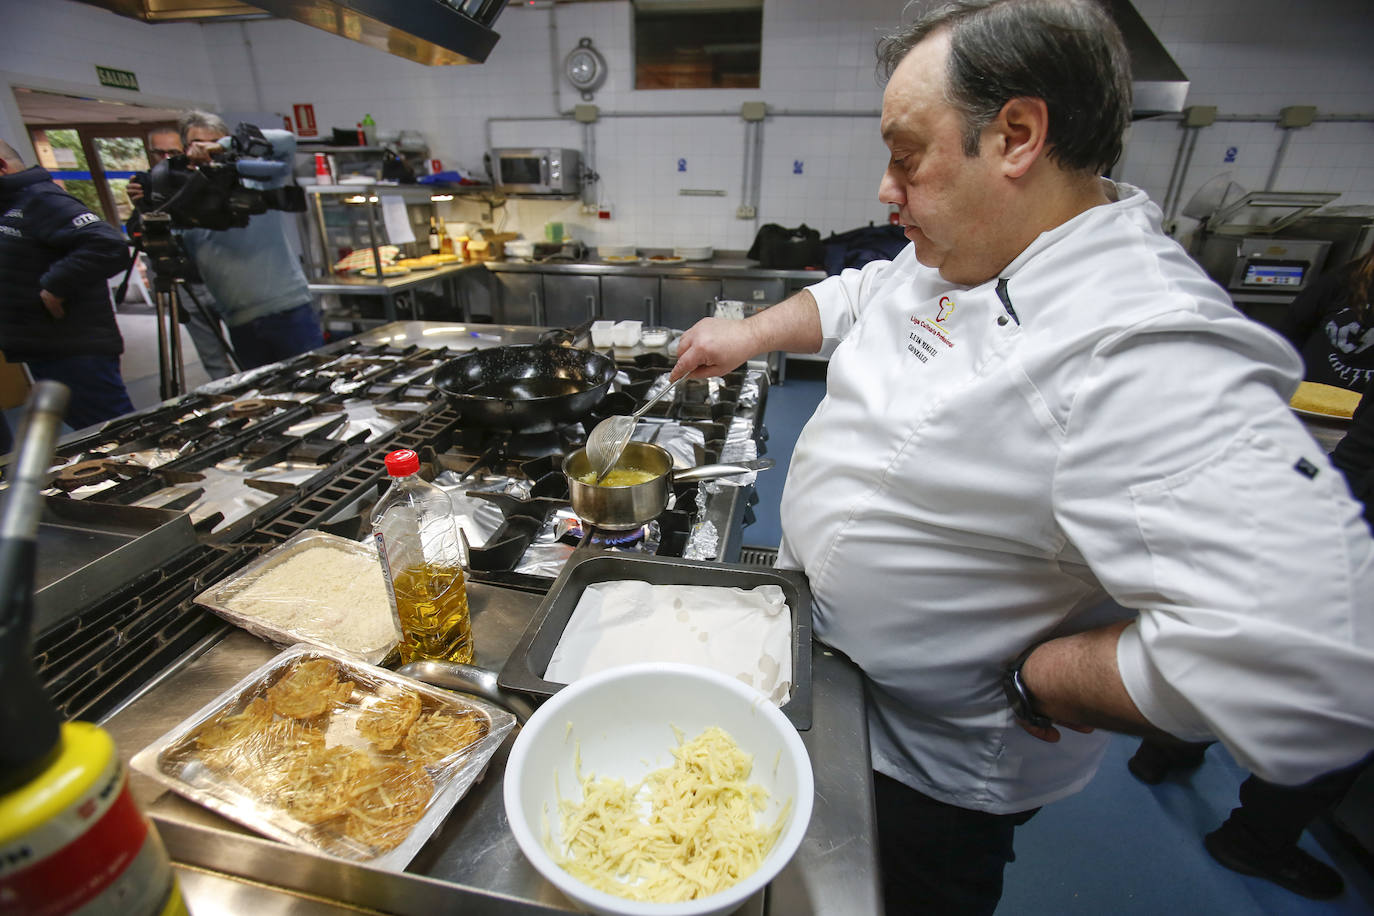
[[743, 633], [316, 588], [322, 752]]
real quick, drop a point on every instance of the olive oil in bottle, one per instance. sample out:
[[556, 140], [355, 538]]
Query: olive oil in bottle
[[423, 562]]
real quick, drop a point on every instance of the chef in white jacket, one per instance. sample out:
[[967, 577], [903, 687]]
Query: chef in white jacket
[[1041, 404]]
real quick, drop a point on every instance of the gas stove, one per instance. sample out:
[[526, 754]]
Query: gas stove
[[258, 457]]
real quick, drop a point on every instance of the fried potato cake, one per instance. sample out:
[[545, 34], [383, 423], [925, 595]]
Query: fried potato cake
[[438, 735], [392, 801], [309, 690], [386, 722], [320, 784]]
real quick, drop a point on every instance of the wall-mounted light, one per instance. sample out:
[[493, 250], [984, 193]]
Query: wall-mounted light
[[440, 197]]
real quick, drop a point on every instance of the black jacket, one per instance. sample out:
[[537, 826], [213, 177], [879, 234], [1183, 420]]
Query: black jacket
[[49, 240]]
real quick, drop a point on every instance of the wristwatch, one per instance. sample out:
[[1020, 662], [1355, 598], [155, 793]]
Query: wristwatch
[[1019, 695]]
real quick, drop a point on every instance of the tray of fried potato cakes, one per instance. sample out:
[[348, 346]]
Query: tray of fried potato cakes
[[323, 752]]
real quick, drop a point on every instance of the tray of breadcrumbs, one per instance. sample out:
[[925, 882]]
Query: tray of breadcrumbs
[[325, 753], [315, 588]]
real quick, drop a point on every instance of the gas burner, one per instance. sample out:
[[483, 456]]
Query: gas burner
[[615, 540], [252, 407], [84, 473]]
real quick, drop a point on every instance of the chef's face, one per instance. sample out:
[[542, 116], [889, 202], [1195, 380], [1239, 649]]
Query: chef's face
[[944, 198]]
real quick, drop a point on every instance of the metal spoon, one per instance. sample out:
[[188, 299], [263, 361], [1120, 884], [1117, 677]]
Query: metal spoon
[[612, 434]]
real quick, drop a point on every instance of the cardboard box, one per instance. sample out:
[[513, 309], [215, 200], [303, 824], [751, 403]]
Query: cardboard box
[[14, 384]]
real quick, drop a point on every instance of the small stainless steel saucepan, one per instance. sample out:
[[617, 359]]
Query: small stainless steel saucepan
[[623, 507]]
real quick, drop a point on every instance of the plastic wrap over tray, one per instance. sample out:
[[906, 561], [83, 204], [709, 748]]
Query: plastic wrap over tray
[[322, 752], [315, 588]]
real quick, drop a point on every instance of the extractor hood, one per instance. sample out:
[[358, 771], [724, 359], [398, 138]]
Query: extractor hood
[[425, 31], [1158, 86]]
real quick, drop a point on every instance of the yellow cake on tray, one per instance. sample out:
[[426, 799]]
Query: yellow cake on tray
[[1328, 400]]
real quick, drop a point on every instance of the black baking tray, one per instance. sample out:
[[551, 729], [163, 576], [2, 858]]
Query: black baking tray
[[524, 668]]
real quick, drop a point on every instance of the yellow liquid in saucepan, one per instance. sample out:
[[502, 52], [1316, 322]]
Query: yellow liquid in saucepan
[[619, 477]]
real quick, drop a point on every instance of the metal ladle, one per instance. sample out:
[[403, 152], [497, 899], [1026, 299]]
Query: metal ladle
[[609, 438]]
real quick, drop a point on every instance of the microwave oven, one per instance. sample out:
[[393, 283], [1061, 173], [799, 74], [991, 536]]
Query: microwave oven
[[540, 170]]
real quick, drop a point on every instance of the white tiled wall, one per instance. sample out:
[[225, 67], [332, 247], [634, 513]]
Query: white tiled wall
[[57, 44], [1256, 57], [1245, 56]]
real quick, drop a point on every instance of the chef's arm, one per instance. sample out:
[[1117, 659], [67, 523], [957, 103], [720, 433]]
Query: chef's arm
[[715, 346], [1076, 683]]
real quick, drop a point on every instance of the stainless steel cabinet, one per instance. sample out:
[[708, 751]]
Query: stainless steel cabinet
[[570, 300], [687, 300], [755, 292], [520, 300], [630, 299]]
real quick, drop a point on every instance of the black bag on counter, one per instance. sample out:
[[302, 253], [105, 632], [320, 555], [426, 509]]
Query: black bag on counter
[[777, 248]]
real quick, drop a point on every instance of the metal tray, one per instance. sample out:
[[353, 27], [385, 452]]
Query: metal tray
[[175, 761], [220, 598], [87, 549], [531, 655]]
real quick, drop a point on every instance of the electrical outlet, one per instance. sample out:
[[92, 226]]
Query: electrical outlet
[[744, 211]]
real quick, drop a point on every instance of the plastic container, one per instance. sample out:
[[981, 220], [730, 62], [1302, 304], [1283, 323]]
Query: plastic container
[[423, 560], [603, 334], [626, 333]]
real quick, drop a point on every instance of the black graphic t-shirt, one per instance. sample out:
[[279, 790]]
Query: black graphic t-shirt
[[1336, 346]]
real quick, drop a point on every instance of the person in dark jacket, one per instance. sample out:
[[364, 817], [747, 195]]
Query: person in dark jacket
[[55, 311], [1331, 323]]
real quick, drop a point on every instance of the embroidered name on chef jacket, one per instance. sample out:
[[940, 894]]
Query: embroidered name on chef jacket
[[931, 338]]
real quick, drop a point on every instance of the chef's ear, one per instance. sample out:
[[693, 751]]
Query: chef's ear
[[1019, 134]]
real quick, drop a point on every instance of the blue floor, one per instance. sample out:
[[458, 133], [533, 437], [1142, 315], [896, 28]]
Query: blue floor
[[1119, 846]]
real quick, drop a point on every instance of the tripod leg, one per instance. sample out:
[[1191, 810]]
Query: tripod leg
[[171, 372], [210, 321]]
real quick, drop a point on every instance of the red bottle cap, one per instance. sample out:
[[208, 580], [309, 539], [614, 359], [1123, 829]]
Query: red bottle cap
[[402, 463]]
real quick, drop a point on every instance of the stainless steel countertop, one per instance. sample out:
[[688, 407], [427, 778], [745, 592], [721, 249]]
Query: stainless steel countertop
[[372, 286], [728, 267], [473, 858]]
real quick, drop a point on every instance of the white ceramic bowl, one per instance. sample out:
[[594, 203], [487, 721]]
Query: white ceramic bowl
[[694, 252], [621, 722]]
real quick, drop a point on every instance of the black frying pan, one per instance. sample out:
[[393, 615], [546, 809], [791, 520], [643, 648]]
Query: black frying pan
[[527, 389]]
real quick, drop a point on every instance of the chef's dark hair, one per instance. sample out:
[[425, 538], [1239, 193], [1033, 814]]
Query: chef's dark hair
[[1067, 52]]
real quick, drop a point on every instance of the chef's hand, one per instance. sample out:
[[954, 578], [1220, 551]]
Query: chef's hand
[[713, 346], [52, 303]]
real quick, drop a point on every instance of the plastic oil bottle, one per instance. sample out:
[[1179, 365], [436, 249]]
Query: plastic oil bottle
[[72, 839], [423, 559]]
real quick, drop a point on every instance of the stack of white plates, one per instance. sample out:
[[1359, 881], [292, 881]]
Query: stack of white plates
[[615, 251], [694, 252]]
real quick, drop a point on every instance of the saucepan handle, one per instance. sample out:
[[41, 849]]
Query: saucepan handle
[[712, 471]]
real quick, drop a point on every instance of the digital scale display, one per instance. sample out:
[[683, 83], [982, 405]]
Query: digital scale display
[[1271, 273]]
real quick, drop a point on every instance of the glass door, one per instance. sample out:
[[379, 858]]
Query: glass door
[[93, 163]]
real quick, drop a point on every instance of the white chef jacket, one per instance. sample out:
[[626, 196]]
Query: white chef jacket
[[983, 473]]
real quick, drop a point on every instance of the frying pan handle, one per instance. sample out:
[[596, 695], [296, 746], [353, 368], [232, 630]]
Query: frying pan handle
[[712, 471], [569, 336]]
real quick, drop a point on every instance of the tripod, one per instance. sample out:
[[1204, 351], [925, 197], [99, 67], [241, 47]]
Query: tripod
[[171, 268]]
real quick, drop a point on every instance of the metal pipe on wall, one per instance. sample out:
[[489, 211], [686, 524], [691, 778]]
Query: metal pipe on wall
[[1279, 155], [1173, 173], [1183, 173]]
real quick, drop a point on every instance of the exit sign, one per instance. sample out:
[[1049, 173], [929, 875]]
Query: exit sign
[[119, 79]]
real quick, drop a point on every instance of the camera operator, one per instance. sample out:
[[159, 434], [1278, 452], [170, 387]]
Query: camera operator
[[55, 311], [199, 316], [259, 288]]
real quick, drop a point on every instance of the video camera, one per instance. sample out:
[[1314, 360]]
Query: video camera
[[213, 196]]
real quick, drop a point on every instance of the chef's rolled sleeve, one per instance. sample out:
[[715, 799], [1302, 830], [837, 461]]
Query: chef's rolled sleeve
[[841, 298], [1208, 507]]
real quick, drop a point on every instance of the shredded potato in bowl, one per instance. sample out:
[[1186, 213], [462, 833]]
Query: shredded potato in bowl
[[656, 788], [687, 831]]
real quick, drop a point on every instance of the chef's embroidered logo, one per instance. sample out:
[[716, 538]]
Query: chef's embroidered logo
[[946, 309]]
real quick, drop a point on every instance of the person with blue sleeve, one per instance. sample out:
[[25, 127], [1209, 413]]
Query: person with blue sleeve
[[259, 288], [55, 311]]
